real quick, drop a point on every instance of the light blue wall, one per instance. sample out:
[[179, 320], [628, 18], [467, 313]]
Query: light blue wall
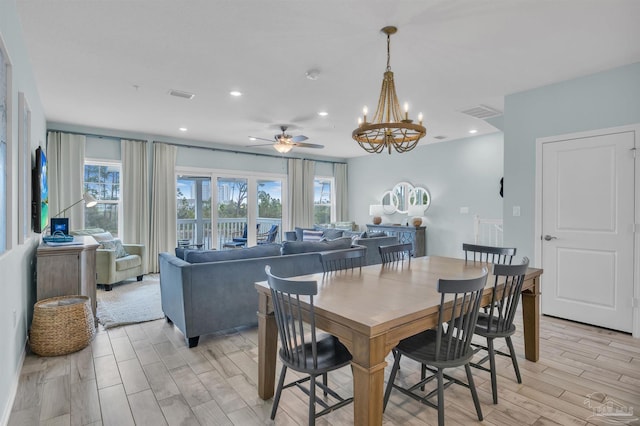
[[458, 173], [17, 285], [597, 101]]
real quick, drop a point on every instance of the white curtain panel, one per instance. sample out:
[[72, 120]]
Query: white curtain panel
[[65, 175], [342, 193], [300, 183], [135, 192], [162, 237]]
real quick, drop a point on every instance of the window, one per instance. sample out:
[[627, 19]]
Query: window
[[324, 210], [102, 180]]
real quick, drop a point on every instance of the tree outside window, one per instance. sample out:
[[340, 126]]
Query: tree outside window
[[323, 208], [102, 181]]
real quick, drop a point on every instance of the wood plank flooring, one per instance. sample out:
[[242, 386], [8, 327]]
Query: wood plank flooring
[[144, 374]]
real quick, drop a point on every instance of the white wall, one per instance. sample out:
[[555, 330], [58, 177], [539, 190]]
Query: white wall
[[458, 173], [597, 101], [17, 285]]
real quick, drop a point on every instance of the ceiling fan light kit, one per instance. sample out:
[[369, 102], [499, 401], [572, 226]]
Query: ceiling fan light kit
[[285, 143], [388, 128]]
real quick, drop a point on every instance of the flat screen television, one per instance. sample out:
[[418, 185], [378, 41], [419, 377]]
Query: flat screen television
[[40, 203]]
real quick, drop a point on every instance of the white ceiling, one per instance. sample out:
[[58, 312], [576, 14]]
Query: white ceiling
[[110, 64]]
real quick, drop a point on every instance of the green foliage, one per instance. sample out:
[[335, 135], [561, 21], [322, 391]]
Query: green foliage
[[321, 214], [268, 207], [185, 209]]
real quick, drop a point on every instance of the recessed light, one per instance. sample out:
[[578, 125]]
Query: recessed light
[[183, 129], [472, 131], [235, 93], [251, 138], [323, 113]]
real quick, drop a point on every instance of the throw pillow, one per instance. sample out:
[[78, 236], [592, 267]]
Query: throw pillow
[[332, 234], [102, 236], [311, 235], [115, 245]]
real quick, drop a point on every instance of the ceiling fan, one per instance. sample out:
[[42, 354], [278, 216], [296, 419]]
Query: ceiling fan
[[285, 143]]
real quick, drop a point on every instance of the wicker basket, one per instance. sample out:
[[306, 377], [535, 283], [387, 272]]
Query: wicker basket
[[61, 325]]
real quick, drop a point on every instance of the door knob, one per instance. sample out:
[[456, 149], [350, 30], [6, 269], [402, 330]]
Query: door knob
[[549, 237]]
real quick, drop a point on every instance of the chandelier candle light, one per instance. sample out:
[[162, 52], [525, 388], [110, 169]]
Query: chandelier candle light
[[388, 128]]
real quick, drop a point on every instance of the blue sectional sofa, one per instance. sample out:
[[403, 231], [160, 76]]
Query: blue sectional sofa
[[204, 292]]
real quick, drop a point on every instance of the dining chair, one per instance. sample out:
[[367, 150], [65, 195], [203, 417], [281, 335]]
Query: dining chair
[[395, 252], [302, 353], [489, 254], [341, 260], [446, 346], [498, 321]]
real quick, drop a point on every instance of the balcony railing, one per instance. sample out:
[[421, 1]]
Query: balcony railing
[[189, 232]]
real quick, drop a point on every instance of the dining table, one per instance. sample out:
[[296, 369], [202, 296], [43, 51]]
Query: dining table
[[370, 309]]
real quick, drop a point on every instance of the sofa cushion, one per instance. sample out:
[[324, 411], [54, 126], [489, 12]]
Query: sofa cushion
[[295, 247], [102, 236], [203, 256], [127, 262]]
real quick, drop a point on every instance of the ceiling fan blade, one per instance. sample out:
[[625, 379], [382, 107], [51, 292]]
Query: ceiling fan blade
[[261, 144], [261, 139], [299, 138], [308, 145]]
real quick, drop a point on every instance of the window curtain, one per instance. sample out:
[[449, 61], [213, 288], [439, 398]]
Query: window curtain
[[342, 192], [300, 184], [135, 193], [164, 223], [65, 175]]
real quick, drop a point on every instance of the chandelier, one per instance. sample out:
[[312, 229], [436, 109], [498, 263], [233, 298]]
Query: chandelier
[[388, 128]]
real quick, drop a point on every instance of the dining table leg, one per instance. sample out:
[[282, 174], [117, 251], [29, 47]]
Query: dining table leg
[[531, 320], [267, 346], [368, 365]]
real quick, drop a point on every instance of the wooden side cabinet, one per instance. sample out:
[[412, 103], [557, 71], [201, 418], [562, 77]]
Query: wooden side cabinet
[[406, 234], [66, 270]]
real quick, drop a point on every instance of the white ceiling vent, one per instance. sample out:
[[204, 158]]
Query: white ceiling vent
[[181, 94], [482, 112], [440, 137]]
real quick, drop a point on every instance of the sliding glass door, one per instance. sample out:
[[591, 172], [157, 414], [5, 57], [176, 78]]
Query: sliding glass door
[[269, 210], [232, 210], [194, 211]]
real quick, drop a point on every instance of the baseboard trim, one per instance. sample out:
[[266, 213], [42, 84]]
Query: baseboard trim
[[6, 413]]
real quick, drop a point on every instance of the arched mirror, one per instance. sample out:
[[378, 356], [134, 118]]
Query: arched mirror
[[420, 197], [389, 202], [402, 191]]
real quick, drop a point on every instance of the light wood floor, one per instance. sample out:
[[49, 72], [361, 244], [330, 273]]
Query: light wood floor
[[144, 374]]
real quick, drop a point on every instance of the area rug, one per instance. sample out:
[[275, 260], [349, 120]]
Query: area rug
[[130, 302]]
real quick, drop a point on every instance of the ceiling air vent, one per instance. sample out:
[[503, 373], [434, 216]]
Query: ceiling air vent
[[181, 94], [482, 112]]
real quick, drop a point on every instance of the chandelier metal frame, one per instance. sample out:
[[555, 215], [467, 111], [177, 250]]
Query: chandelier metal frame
[[388, 127]]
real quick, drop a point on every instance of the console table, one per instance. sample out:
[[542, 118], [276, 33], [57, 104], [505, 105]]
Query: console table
[[406, 234], [67, 270]]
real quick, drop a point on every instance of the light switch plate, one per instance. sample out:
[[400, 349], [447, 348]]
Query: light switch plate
[[516, 210], [464, 210]]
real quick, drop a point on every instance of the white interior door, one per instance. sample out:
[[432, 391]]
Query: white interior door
[[587, 243]]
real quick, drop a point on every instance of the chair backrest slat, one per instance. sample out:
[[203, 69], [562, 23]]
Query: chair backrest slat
[[395, 252], [488, 254], [289, 314], [340, 260], [506, 295], [458, 313]]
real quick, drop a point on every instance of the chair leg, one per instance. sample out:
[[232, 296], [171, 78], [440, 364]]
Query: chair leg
[[325, 381], [392, 378], [276, 398], [492, 367], [312, 400], [423, 375], [514, 360], [440, 397], [474, 393]]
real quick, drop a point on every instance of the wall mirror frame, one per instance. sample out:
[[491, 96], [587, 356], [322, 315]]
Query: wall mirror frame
[[402, 191], [389, 202], [420, 197]]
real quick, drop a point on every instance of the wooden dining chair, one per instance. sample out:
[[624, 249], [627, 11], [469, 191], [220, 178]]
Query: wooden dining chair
[[341, 260], [395, 252], [498, 321], [447, 346], [488, 254], [303, 353]]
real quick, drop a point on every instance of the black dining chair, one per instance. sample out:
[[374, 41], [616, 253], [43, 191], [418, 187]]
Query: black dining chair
[[395, 252], [341, 260], [301, 352], [488, 254], [446, 346], [498, 321]]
